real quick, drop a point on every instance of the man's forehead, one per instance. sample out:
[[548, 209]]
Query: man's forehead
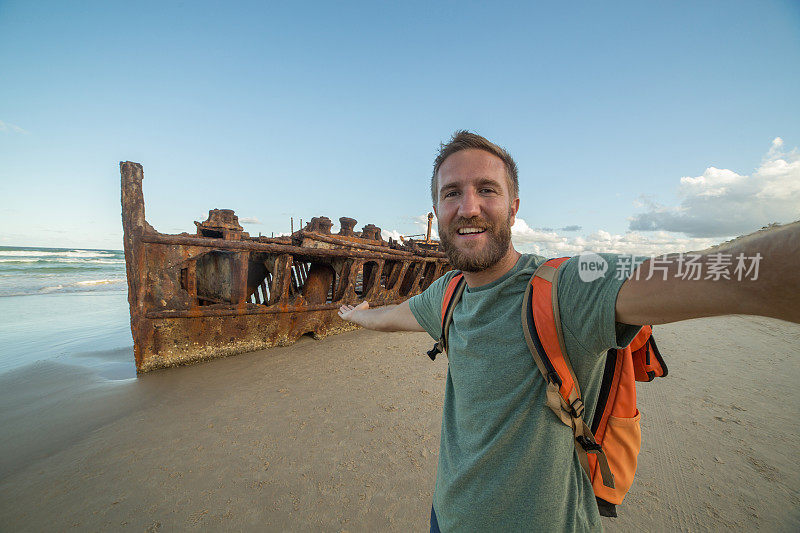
[[471, 164], [473, 161]]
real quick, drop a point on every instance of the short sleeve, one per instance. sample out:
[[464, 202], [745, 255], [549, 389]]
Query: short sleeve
[[427, 306], [588, 286]]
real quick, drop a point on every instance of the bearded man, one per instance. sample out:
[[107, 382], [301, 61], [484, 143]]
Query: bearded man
[[505, 462]]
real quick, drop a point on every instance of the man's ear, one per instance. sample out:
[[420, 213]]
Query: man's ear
[[514, 208], [435, 213]]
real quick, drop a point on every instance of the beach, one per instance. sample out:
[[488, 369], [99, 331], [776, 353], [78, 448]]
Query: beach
[[342, 434]]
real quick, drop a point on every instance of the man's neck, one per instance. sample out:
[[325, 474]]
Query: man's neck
[[494, 272]]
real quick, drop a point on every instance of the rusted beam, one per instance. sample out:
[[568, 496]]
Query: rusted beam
[[205, 242], [430, 224], [282, 279], [350, 244], [347, 241], [134, 227]]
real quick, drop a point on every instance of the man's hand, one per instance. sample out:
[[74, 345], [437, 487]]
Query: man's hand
[[348, 312], [675, 296], [387, 318]]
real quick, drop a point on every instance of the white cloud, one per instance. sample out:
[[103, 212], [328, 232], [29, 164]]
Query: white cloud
[[723, 203], [7, 126], [553, 243], [394, 234], [777, 144], [249, 220]]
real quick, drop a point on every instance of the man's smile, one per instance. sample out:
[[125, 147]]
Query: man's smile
[[470, 231]]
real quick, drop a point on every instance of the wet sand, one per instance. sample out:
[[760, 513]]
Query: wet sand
[[343, 434]]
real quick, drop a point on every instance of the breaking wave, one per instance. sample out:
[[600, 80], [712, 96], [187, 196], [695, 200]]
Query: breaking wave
[[58, 253], [30, 271]]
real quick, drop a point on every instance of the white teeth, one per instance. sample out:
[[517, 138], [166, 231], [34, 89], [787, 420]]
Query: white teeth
[[464, 231]]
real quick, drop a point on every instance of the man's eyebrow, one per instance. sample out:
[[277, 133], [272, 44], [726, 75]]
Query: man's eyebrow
[[448, 187], [488, 181]]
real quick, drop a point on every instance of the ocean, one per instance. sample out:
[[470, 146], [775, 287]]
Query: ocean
[[66, 306]]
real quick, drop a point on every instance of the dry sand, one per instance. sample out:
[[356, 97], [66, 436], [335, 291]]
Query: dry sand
[[343, 434]]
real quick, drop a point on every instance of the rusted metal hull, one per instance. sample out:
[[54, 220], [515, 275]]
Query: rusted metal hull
[[221, 292]]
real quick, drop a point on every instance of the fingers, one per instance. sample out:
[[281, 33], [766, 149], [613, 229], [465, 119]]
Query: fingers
[[345, 311], [347, 307]]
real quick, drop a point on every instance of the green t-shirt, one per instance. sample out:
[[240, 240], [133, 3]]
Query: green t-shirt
[[506, 463]]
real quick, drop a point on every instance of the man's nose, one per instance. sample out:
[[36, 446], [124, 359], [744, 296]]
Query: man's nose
[[470, 205]]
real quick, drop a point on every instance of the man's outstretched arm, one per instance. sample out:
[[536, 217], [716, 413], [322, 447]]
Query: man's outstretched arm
[[769, 284], [386, 318]]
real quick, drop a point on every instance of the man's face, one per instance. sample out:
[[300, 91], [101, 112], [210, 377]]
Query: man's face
[[474, 209]]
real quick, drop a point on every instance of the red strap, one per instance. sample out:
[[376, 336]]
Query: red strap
[[448, 293]]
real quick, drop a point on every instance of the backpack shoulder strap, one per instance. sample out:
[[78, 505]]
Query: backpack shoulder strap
[[541, 324], [452, 295]]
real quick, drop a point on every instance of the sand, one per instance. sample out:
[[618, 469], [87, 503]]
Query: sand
[[342, 434]]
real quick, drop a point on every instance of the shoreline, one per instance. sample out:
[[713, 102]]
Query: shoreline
[[65, 328]]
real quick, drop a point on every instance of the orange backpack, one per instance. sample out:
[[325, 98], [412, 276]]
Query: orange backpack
[[608, 449]]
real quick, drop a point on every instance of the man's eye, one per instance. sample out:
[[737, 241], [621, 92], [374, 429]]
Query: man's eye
[[487, 190], [450, 194]]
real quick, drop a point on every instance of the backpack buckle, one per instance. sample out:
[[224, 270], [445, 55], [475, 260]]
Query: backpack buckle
[[588, 445], [437, 349], [554, 378], [577, 408]]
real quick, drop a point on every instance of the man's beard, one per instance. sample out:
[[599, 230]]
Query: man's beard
[[499, 239]]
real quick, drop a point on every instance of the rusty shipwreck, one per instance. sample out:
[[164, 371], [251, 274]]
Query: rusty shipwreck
[[220, 292]]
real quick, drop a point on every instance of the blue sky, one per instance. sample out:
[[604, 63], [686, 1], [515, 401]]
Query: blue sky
[[337, 109]]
